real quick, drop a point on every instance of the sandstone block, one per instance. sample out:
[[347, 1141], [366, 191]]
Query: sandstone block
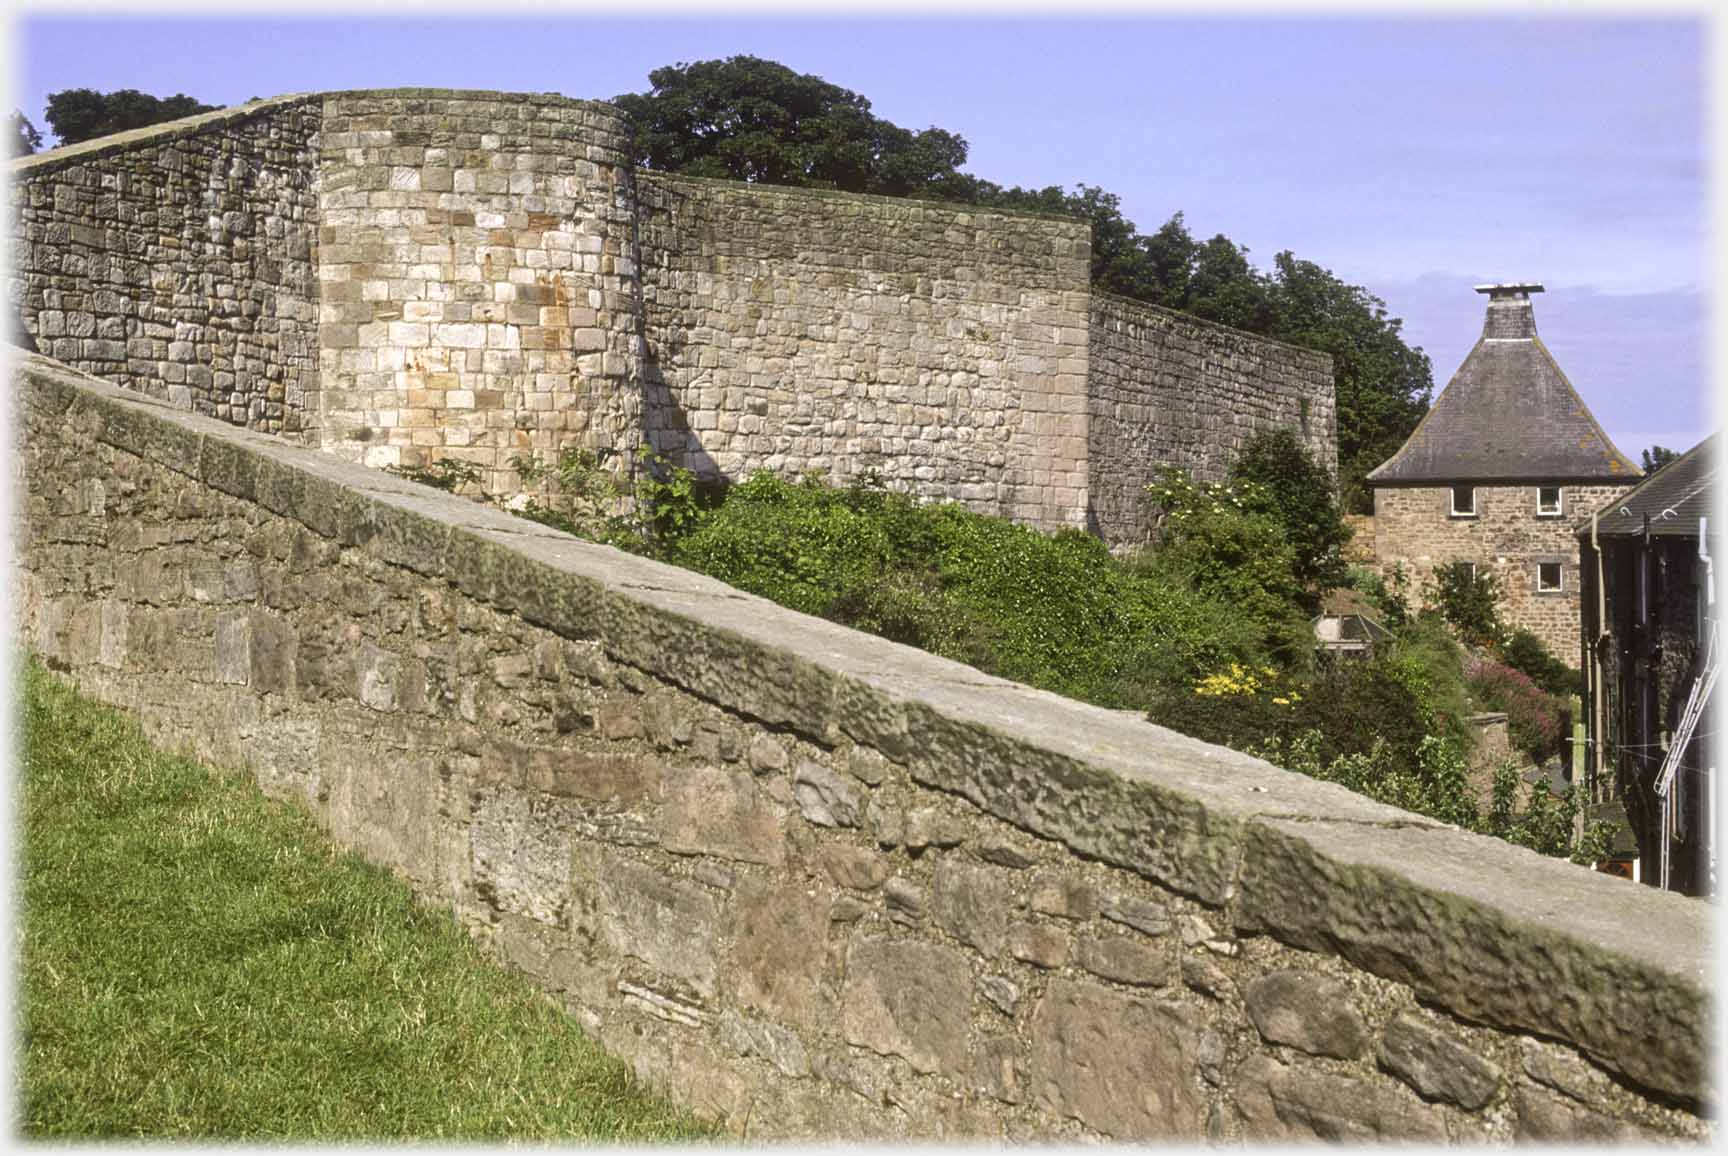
[[824, 798], [1438, 1066], [1275, 1101], [906, 998], [1125, 960], [709, 811], [670, 925], [1039, 944], [971, 904], [858, 868], [777, 948], [1115, 1062], [1306, 1011]]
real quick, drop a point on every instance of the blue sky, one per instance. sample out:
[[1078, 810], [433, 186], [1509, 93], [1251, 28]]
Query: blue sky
[[1414, 155]]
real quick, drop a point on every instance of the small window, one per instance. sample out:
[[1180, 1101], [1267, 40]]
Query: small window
[[1463, 501], [1547, 576], [1467, 570], [1548, 502]]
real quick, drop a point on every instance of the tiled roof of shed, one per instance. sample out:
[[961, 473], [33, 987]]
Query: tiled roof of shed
[[1673, 498], [1508, 415]]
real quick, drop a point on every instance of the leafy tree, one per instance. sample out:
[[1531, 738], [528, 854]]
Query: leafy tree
[[1656, 457], [1383, 386], [1469, 602], [748, 119], [1300, 493], [80, 114], [22, 137]]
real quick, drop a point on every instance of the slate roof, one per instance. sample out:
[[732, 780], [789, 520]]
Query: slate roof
[[1507, 416], [1674, 498]]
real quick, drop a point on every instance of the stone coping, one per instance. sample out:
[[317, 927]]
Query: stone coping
[[1117, 301], [219, 118], [154, 134], [953, 207], [1493, 932]]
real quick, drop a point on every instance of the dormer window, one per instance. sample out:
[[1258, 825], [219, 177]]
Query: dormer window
[[1548, 502], [1463, 501]]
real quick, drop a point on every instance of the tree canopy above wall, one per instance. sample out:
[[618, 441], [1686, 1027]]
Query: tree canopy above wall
[[744, 118]]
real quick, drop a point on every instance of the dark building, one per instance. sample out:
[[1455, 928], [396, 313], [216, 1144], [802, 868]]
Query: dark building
[[1650, 662]]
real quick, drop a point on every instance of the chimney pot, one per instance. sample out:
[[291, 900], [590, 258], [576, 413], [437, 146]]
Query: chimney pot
[[1510, 314]]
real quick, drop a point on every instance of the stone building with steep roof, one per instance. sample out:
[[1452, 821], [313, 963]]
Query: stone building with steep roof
[[1499, 473]]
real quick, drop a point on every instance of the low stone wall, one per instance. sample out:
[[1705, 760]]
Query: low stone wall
[[179, 260], [1167, 389], [816, 883]]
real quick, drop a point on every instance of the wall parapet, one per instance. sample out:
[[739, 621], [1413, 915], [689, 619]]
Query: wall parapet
[[812, 878]]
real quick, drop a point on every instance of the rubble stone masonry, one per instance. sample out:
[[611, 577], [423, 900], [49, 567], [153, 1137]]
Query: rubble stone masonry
[[1506, 538], [406, 275], [818, 884]]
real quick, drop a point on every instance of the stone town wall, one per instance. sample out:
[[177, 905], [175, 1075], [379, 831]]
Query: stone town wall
[[477, 286], [179, 260], [798, 330], [1414, 525], [817, 883], [1166, 389]]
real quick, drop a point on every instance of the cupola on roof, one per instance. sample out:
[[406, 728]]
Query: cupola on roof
[[1508, 415]]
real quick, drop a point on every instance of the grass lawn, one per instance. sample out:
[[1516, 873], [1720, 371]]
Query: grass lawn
[[197, 961]]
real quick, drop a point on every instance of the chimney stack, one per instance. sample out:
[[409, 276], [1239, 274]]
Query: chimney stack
[[1510, 315]]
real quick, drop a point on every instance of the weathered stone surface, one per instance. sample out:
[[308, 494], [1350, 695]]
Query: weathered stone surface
[[825, 798], [1038, 944], [859, 868], [1125, 960], [671, 926], [766, 754], [1431, 908], [867, 766], [1275, 1101], [931, 827], [998, 1070], [1064, 897], [971, 904], [777, 947], [906, 900], [749, 1036], [1307, 1011], [1006, 852], [1545, 1117], [710, 811], [908, 999], [1203, 975], [1116, 1063], [1438, 1066], [1002, 993], [1563, 1071], [1146, 918]]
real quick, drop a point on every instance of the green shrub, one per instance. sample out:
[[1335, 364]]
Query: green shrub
[[1537, 722], [1300, 493], [1525, 652], [1469, 602]]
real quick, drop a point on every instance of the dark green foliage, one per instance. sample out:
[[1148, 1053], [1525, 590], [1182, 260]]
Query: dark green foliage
[[1469, 602], [80, 114], [1390, 596], [1525, 652], [749, 119], [198, 962], [448, 474], [1656, 457], [1301, 494], [22, 137], [1054, 611]]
